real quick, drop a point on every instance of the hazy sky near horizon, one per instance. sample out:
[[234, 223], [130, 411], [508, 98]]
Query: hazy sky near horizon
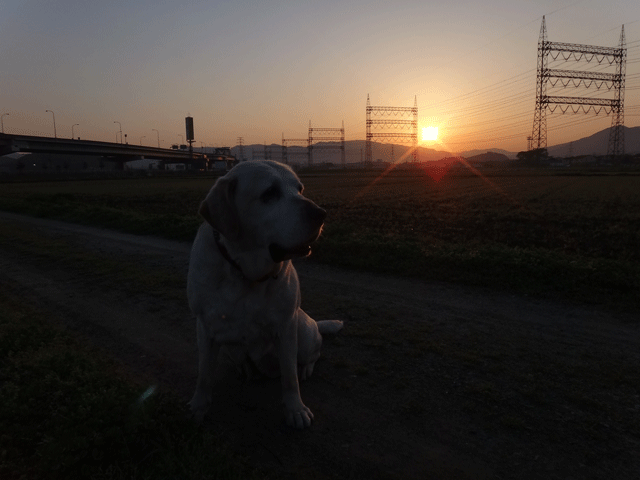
[[259, 70]]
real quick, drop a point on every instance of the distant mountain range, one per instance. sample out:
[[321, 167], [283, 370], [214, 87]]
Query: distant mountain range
[[595, 144]]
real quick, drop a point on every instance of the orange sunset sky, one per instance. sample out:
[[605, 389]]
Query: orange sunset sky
[[259, 70]]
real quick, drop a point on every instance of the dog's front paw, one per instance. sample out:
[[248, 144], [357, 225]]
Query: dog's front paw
[[299, 417]]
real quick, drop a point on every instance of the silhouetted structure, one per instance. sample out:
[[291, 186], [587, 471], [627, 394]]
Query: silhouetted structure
[[615, 56], [291, 142], [188, 121], [393, 120], [241, 149], [263, 154], [326, 135]]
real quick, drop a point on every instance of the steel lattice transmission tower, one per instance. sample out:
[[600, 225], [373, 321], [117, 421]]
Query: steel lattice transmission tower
[[292, 142], [240, 142], [615, 56], [326, 135], [396, 119], [262, 154], [616, 134]]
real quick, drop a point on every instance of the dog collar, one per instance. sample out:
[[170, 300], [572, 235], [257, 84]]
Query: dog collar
[[225, 253]]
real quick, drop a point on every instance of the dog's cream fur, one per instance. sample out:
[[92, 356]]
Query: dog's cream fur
[[243, 288]]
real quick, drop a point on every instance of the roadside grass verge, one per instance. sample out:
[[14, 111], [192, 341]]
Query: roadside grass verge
[[532, 271], [68, 412], [130, 220], [124, 273]]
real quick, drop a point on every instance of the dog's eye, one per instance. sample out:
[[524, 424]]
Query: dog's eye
[[270, 195]]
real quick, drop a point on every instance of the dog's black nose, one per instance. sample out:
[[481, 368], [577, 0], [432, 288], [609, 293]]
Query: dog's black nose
[[315, 213]]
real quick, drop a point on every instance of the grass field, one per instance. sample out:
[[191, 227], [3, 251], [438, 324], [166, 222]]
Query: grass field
[[572, 236], [68, 412]]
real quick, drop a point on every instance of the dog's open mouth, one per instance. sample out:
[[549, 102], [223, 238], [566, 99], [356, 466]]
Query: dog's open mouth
[[280, 253]]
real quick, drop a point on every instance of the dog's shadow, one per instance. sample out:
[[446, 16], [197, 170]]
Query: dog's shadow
[[244, 404]]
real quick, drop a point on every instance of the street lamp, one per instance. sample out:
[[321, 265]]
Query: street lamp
[[154, 130], [120, 129], [74, 125], [1, 120], [144, 136], [55, 135]]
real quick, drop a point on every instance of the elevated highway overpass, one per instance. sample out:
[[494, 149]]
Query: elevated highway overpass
[[117, 152]]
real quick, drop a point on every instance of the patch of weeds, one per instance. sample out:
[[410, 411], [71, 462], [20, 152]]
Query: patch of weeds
[[67, 412], [468, 356], [482, 388], [339, 362], [433, 347], [584, 400], [525, 269], [73, 208], [413, 406], [400, 384], [375, 344], [531, 393], [415, 353], [513, 422], [125, 273]]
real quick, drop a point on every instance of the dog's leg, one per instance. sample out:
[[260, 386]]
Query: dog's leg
[[309, 344], [310, 341], [207, 350], [297, 414]]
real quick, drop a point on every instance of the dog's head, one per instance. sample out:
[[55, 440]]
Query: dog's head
[[259, 206]]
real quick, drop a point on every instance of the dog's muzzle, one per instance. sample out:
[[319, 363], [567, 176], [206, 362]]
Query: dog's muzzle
[[315, 217]]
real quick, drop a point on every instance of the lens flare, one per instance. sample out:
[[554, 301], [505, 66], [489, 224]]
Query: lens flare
[[148, 392]]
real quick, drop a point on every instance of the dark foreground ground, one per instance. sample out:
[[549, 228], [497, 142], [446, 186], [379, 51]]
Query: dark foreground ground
[[426, 380]]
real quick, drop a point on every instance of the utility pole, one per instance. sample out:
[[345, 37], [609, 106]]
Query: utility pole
[[55, 135], [120, 125]]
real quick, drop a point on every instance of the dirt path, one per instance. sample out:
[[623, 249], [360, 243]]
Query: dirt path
[[426, 381]]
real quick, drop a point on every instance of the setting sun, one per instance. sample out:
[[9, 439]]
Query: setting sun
[[429, 133]]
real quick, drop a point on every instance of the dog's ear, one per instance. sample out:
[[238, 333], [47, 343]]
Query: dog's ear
[[219, 208]]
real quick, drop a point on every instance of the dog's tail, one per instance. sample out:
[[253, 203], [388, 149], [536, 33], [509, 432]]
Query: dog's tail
[[330, 326]]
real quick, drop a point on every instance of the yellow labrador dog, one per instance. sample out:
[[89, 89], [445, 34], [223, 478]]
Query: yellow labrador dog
[[243, 288]]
